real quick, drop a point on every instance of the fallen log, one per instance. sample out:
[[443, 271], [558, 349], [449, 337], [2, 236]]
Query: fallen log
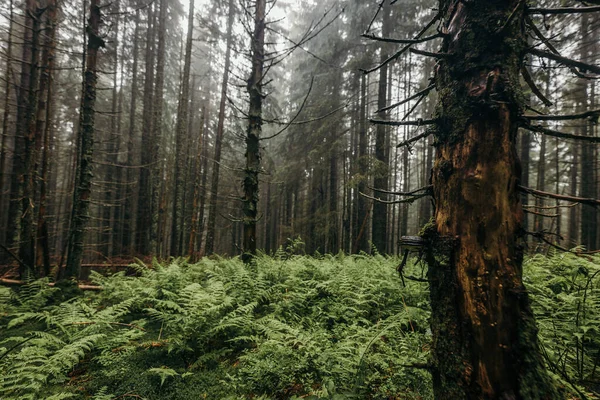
[[14, 282]]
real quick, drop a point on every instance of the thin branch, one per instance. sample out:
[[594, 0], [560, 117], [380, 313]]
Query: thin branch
[[402, 41], [565, 61], [426, 189], [410, 141], [312, 81], [581, 200], [541, 236], [541, 214], [550, 46], [418, 122], [422, 93], [409, 200], [430, 53], [563, 10], [533, 87], [405, 48], [588, 114], [564, 135]]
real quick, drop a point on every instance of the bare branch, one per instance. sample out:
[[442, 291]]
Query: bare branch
[[564, 135], [563, 10], [594, 114], [414, 139], [430, 53], [534, 88], [418, 122], [565, 61], [402, 41], [408, 200], [581, 200], [405, 48], [422, 93], [426, 189]]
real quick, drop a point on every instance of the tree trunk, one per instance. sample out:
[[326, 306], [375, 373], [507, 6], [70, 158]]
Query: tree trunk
[[43, 130], [181, 132], [5, 123], [362, 212], [214, 191], [144, 209], [380, 209], [128, 214], [157, 122], [81, 197], [484, 335], [255, 85]]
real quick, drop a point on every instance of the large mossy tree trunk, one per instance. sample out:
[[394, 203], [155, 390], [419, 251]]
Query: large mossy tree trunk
[[484, 335]]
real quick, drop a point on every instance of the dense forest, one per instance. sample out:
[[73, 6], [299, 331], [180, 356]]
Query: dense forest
[[381, 199]]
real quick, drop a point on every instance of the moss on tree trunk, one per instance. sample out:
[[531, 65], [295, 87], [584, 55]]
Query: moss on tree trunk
[[484, 335]]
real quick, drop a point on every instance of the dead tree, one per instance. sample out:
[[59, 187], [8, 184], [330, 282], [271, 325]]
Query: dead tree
[[484, 334]]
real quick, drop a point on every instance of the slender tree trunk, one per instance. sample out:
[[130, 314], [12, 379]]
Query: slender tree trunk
[[255, 85], [484, 334], [144, 209], [157, 122], [26, 167], [81, 197], [180, 147], [589, 214], [128, 215], [362, 214], [214, 192], [380, 210], [43, 130], [195, 223], [5, 123]]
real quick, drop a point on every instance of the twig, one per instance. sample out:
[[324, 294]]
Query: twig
[[409, 200], [430, 53], [563, 10], [405, 48], [410, 141], [533, 87], [581, 200], [588, 114], [402, 41], [565, 61], [426, 189], [14, 256], [559, 134], [422, 93], [418, 122]]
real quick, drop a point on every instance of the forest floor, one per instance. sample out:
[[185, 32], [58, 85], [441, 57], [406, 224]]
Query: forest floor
[[289, 326]]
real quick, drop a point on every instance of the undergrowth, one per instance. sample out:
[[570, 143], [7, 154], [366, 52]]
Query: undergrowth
[[328, 327]]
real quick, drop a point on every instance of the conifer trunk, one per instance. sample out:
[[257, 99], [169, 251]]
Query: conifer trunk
[[84, 174], [255, 84], [181, 132], [380, 210], [214, 192], [484, 335], [144, 209]]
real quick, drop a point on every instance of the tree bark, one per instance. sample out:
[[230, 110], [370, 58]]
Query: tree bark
[[128, 214], [214, 191], [484, 334], [380, 209], [144, 209], [255, 85], [157, 206], [181, 132], [81, 197]]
